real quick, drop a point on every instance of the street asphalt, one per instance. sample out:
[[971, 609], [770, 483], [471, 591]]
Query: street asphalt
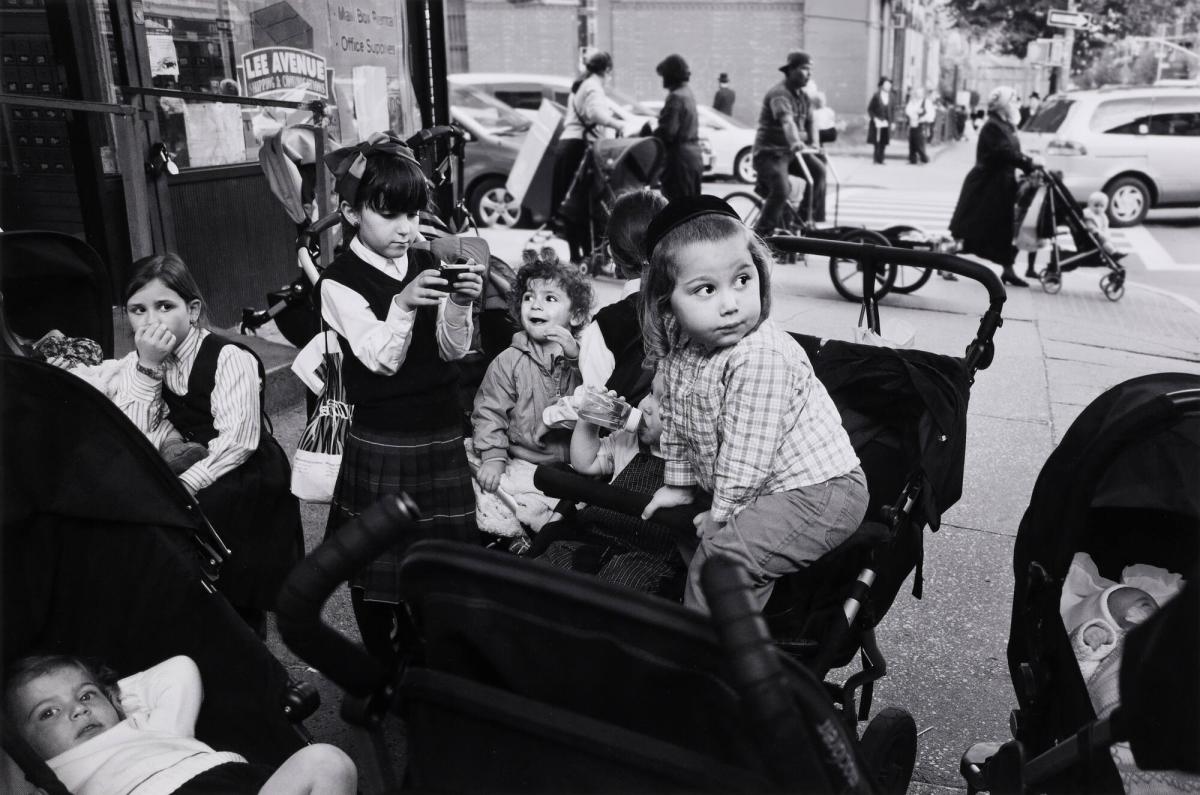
[[1054, 355]]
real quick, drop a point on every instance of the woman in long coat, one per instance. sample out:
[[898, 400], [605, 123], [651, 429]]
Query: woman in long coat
[[679, 130], [985, 216]]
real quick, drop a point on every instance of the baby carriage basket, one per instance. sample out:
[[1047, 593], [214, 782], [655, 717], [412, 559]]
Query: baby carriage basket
[[1043, 193], [1119, 489], [611, 167], [534, 679], [106, 555], [51, 280], [905, 412]]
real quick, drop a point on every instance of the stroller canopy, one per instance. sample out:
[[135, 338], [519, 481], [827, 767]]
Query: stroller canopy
[[627, 163], [51, 280], [104, 555]]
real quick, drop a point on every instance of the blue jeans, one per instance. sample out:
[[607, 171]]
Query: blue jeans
[[781, 533]]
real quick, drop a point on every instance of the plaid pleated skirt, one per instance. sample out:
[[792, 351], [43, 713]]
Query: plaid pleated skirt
[[429, 466]]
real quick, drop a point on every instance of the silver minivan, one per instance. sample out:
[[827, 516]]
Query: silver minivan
[[1140, 145]]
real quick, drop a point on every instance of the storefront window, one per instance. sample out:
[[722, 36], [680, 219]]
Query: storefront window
[[350, 54]]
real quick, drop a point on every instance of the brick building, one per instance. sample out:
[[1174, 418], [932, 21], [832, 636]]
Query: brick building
[[852, 42]]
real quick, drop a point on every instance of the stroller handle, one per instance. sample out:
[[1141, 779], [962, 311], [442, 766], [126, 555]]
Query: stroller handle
[[577, 488], [313, 580], [979, 351], [775, 710]]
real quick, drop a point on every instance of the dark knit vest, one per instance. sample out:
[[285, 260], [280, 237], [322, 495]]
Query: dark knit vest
[[191, 414], [621, 327], [421, 394]]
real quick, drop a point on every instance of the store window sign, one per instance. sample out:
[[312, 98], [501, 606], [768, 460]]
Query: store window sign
[[272, 69]]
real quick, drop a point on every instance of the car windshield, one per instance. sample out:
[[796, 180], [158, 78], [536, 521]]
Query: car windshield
[[489, 113], [1050, 116]]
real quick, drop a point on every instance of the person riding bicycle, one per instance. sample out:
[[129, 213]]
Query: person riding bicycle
[[785, 126]]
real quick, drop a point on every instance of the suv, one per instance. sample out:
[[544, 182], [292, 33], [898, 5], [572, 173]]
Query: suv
[[1132, 143]]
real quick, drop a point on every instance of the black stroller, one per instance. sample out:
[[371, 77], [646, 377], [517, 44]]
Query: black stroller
[[38, 265], [1043, 192], [531, 635], [611, 167], [1121, 487], [533, 679], [106, 555]]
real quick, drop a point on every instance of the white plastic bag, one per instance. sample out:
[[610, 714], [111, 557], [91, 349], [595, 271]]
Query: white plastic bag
[[318, 456]]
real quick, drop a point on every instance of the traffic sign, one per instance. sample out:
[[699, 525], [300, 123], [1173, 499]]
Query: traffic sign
[[1077, 20]]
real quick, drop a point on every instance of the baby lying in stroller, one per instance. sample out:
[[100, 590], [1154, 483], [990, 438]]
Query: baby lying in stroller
[[101, 736], [1097, 614]]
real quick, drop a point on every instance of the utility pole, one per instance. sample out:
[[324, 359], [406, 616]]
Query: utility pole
[[1069, 43]]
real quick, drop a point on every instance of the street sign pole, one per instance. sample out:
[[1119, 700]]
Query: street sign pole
[[1069, 43]]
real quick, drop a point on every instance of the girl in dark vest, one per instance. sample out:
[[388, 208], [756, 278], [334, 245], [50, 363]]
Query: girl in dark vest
[[610, 347], [400, 325], [183, 379]]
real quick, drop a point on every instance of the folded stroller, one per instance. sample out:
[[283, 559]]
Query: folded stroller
[[1121, 489], [106, 555], [533, 679], [1043, 193]]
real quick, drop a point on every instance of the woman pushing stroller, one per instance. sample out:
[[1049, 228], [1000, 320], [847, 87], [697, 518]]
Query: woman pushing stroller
[[986, 211]]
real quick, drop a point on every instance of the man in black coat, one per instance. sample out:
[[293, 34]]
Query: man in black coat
[[723, 101]]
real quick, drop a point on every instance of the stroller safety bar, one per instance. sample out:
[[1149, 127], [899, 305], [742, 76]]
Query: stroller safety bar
[[310, 584], [979, 352], [577, 488]]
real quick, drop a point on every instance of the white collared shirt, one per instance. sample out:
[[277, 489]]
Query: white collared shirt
[[236, 410], [382, 345]]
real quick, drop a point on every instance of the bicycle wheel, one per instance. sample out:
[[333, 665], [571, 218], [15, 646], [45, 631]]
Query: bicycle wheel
[[747, 205], [909, 278], [847, 273]]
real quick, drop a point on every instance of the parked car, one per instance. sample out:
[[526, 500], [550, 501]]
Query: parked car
[[525, 92], [496, 134], [730, 142], [1140, 145]]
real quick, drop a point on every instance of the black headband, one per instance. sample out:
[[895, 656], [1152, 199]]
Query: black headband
[[681, 211]]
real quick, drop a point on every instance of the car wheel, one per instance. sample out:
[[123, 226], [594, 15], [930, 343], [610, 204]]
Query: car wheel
[[743, 166], [492, 205], [1128, 201]]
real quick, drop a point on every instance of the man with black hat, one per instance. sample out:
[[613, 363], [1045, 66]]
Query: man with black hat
[[784, 127], [723, 101]]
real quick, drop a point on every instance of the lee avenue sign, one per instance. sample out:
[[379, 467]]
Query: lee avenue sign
[[1069, 19]]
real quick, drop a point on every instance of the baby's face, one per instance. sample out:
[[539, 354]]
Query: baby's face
[[1131, 606], [1096, 636], [61, 709], [650, 429]]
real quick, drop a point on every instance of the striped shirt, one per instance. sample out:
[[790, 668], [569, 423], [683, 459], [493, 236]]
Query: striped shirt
[[382, 345], [749, 420], [236, 409]]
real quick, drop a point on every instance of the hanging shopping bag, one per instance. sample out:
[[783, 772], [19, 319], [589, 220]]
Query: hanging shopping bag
[[319, 454], [1030, 199]]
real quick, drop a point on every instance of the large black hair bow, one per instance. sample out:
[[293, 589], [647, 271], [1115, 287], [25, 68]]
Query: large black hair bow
[[347, 163]]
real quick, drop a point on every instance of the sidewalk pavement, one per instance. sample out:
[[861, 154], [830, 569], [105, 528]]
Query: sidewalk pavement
[[946, 652]]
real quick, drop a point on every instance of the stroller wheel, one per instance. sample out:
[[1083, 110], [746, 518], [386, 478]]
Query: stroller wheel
[[1113, 289], [889, 750], [1051, 282]]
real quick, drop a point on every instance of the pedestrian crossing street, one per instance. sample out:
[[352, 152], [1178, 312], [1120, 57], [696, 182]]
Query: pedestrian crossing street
[[930, 211]]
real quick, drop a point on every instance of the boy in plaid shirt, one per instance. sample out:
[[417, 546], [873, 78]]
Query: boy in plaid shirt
[[744, 416]]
